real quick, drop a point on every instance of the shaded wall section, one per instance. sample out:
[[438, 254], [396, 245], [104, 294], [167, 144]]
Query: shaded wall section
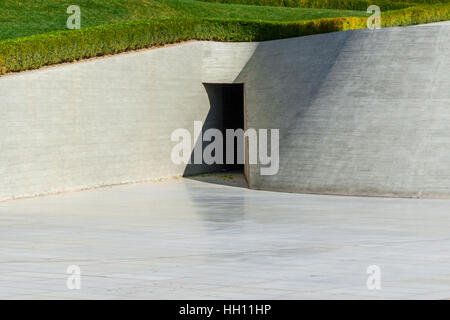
[[359, 112]]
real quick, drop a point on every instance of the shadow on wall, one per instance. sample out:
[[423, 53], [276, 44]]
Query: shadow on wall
[[226, 112], [285, 98], [270, 106]]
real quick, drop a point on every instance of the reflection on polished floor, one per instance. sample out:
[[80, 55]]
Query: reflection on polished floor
[[210, 238]]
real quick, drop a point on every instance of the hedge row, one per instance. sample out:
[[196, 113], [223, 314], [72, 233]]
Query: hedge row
[[416, 15], [66, 46], [361, 5]]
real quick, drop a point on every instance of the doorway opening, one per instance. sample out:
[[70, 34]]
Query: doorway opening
[[226, 112], [233, 118]]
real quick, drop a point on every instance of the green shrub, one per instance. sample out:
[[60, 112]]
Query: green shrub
[[416, 15]]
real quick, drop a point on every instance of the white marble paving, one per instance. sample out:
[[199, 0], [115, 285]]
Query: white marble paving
[[191, 239]]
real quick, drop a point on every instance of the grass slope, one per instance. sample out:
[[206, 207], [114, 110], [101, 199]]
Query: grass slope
[[24, 18]]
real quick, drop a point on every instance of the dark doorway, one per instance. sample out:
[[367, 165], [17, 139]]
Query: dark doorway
[[233, 118], [226, 112]]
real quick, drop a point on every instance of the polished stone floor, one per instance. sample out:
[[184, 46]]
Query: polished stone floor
[[199, 239]]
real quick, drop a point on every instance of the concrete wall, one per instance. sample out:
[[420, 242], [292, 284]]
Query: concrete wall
[[359, 112]]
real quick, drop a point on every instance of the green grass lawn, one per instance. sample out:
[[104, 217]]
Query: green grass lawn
[[20, 18]]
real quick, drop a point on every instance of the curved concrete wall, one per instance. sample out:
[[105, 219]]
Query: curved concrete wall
[[359, 112]]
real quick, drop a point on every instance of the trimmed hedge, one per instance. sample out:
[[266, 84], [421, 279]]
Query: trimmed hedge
[[66, 46], [416, 15], [361, 5]]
